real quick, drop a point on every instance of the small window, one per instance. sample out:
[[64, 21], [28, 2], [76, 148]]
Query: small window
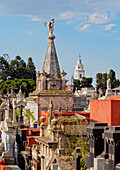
[[80, 75], [78, 67]]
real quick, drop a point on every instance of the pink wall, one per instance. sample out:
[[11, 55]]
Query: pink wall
[[106, 111], [100, 111], [115, 114]]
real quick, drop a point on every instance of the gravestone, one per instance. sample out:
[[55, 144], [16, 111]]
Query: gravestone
[[112, 135], [94, 131]]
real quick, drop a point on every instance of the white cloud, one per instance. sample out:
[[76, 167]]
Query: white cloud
[[29, 32], [69, 22], [76, 11], [84, 27], [35, 18], [53, 8], [98, 18], [109, 27], [67, 15]]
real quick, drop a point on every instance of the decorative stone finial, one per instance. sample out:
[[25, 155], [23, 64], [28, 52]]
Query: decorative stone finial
[[43, 74], [38, 74], [42, 119], [63, 74], [54, 121]]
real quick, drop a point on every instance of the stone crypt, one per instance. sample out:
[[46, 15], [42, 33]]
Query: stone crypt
[[50, 83]]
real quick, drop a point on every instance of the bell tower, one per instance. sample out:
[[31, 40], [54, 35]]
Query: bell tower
[[79, 71]]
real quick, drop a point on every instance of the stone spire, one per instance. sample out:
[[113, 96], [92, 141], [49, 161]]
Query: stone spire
[[51, 64]]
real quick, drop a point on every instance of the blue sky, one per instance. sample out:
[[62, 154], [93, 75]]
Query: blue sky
[[90, 28]]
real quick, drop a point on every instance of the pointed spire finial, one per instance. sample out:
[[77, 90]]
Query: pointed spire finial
[[51, 37]]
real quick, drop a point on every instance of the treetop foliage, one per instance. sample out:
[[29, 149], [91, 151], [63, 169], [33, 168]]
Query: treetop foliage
[[16, 68], [27, 86], [17, 73], [85, 82], [101, 80]]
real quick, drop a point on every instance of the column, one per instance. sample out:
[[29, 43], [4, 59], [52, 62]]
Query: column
[[42, 163], [14, 112]]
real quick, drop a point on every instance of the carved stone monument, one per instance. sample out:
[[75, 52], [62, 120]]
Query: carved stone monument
[[51, 82]]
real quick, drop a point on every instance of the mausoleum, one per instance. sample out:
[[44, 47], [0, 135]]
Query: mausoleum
[[50, 83]]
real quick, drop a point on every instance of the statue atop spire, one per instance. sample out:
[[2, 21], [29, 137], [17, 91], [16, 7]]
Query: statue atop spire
[[51, 64], [51, 26], [51, 37]]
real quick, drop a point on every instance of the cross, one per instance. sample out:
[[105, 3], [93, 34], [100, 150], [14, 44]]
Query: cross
[[53, 85]]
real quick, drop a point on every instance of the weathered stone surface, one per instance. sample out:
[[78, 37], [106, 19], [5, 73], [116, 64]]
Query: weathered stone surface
[[51, 65], [99, 164], [58, 101], [54, 167]]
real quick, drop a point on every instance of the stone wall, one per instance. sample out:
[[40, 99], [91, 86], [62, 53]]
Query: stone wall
[[75, 129], [58, 101]]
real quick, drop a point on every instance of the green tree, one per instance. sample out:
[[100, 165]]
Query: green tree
[[101, 81], [31, 70], [18, 68], [86, 82], [4, 67], [28, 85], [76, 84], [114, 82]]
